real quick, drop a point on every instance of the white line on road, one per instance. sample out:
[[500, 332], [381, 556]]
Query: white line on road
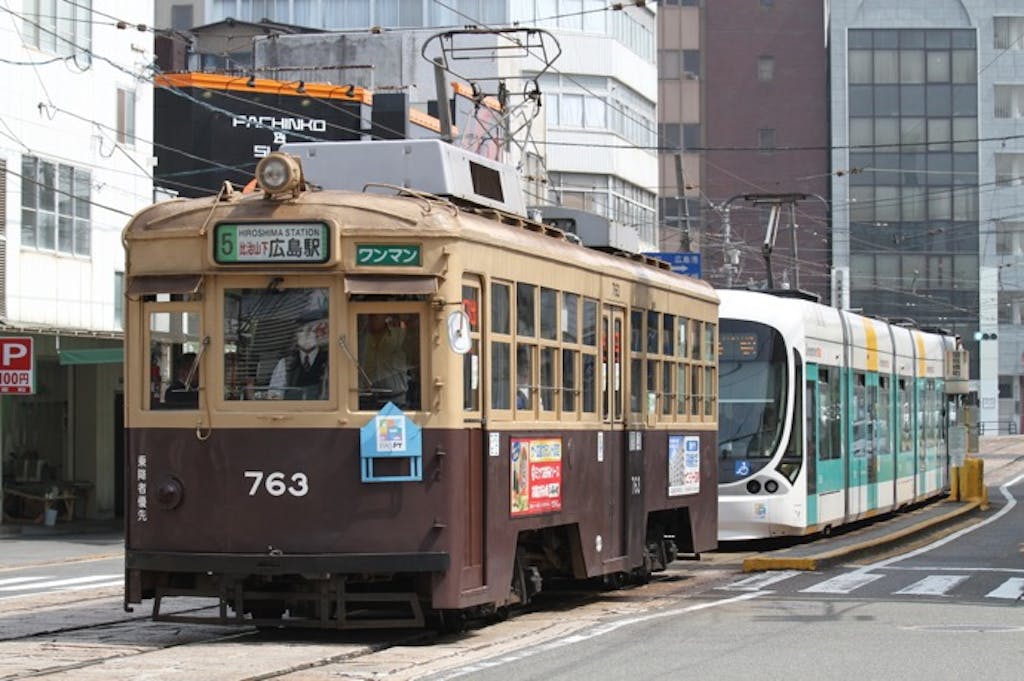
[[22, 580], [933, 585], [1012, 589], [842, 584], [758, 582], [57, 583]]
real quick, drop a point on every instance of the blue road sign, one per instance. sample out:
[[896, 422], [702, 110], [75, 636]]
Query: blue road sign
[[681, 263]]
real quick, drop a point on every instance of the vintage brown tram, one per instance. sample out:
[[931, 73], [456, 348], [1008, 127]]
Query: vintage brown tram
[[358, 409]]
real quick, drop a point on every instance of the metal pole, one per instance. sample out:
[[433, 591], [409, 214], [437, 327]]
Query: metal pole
[[444, 114]]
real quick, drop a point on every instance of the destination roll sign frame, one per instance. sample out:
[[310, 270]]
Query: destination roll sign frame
[[260, 243]]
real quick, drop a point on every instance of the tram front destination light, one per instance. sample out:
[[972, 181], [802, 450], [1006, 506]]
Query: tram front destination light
[[278, 173]]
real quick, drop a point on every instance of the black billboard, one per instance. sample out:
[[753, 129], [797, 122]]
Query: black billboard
[[210, 128]]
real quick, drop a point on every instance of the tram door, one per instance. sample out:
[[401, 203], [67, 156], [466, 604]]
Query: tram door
[[615, 452]]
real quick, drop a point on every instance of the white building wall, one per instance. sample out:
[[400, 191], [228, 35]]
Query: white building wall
[[65, 111]]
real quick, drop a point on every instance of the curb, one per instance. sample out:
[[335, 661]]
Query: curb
[[810, 563]]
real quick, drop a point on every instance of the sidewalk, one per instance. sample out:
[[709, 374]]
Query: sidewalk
[[25, 545]]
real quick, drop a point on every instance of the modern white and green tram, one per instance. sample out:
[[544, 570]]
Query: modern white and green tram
[[826, 417]]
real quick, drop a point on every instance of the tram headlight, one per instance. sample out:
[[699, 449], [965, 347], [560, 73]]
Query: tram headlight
[[753, 486], [278, 173], [771, 487]]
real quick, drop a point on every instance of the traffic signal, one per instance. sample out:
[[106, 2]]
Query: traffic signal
[[987, 335]]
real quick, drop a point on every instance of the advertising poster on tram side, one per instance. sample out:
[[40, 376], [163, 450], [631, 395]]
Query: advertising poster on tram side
[[683, 465], [536, 475]]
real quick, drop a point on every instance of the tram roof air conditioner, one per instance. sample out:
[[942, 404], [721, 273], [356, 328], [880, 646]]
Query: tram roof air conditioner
[[430, 166]]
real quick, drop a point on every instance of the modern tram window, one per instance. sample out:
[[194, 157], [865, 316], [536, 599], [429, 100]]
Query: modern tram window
[[861, 417], [471, 360], [752, 384], [883, 437], [175, 355], [906, 421], [828, 414], [792, 455], [276, 344]]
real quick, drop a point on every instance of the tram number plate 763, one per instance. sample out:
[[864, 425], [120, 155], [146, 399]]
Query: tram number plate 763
[[276, 484]]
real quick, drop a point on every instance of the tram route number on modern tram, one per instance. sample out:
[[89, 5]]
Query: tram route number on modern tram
[[277, 485]]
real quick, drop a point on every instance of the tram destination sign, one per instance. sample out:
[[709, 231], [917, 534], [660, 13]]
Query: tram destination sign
[[271, 242]]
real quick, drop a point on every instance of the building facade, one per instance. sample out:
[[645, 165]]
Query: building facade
[[926, 215], [76, 162], [595, 139]]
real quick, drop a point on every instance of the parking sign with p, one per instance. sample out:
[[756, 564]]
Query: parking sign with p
[[16, 366]]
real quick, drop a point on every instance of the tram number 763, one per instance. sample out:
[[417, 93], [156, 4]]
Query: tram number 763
[[276, 485]]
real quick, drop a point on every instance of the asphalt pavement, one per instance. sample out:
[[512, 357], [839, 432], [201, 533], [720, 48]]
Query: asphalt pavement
[[1003, 460]]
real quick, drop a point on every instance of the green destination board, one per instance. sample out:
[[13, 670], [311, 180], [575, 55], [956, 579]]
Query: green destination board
[[271, 242]]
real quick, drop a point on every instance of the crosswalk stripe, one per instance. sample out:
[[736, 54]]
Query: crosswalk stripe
[[932, 585], [100, 585], [1012, 588], [758, 582], [57, 583], [842, 584]]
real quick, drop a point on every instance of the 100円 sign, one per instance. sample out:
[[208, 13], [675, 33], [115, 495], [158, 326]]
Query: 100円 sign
[[17, 371], [269, 242]]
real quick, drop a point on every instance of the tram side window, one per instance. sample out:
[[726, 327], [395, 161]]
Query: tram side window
[[906, 424], [570, 334], [276, 344], [175, 352], [501, 346], [548, 383], [861, 418], [589, 373], [710, 372], [525, 387], [883, 439], [636, 362], [471, 360], [828, 414]]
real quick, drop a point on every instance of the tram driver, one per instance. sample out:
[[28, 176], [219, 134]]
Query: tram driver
[[302, 373], [383, 356]]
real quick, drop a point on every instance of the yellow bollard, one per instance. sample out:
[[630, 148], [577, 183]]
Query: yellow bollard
[[954, 483], [972, 482]]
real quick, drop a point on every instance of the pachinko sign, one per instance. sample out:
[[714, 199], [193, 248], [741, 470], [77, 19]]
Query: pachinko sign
[[536, 475]]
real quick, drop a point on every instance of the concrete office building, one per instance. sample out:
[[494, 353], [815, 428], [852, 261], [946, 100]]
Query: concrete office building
[[918, 102], [75, 162], [924, 109]]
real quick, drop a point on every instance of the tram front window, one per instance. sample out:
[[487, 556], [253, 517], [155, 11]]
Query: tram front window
[[752, 399], [389, 360], [276, 344]]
